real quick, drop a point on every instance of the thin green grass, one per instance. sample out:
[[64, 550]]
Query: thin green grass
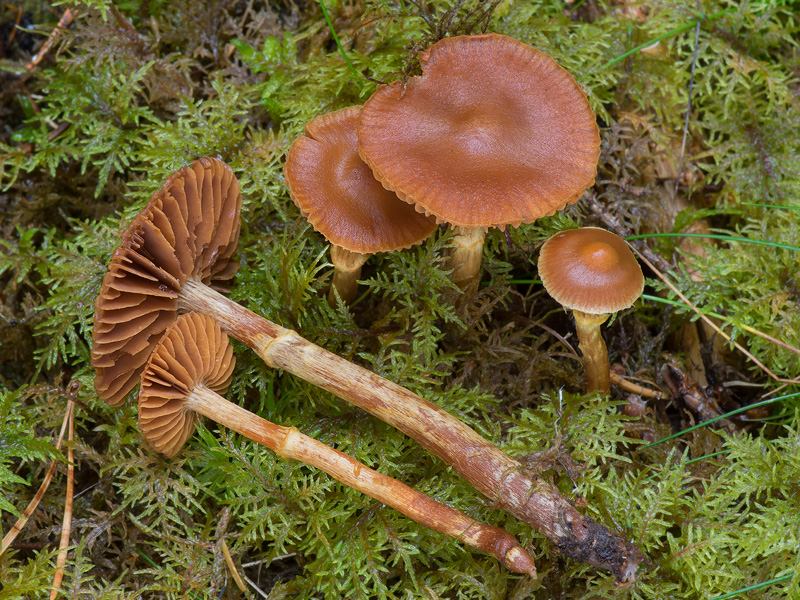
[[724, 416], [668, 34], [778, 206], [715, 236], [355, 73], [757, 586], [688, 462]]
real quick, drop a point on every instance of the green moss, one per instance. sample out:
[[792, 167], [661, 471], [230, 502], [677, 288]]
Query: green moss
[[139, 89]]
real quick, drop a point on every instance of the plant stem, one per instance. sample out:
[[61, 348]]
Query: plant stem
[[715, 236], [479, 462], [671, 33], [338, 43]]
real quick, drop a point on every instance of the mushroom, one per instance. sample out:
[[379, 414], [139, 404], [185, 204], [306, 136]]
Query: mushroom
[[151, 276], [493, 133], [193, 363], [336, 191], [592, 272], [185, 235]]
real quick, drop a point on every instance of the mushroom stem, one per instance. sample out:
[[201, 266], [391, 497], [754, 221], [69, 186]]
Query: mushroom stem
[[288, 442], [593, 348], [466, 257], [480, 463], [346, 271]]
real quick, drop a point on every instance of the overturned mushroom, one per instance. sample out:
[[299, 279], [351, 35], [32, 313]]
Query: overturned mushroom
[[193, 364], [151, 276], [493, 133], [336, 191], [592, 272], [187, 232]]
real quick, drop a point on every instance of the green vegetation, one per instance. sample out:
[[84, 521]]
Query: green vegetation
[[132, 91]]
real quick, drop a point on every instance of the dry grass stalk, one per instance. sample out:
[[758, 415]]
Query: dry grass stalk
[[714, 326], [66, 527], [232, 567], [34, 503], [64, 22]]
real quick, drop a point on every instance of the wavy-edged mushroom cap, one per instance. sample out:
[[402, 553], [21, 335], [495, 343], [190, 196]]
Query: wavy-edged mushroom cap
[[590, 270], [493, 133], [194, 351], [338, 194], [189, 229]]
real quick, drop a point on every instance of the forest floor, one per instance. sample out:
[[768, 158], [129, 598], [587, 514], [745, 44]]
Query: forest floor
[[694, 456]]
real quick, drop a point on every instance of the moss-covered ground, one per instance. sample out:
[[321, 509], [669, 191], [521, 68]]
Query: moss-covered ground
[[699, 110]]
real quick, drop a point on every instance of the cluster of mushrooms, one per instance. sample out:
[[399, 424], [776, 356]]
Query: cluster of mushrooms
[[454, 145]]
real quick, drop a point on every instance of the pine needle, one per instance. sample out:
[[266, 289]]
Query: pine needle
[[232, 566], [711, 323], [66, 526], [34, 503]]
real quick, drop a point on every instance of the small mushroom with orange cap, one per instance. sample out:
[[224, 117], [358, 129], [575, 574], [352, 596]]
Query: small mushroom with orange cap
[[336, 191], [493, 133], [193, 363], [592, 272]]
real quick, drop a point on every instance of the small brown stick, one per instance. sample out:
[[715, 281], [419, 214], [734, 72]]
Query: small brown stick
[[34, 503], [16, 23], [694, 396], [634, 388], [232, 567], [63, 23], [66, 527]]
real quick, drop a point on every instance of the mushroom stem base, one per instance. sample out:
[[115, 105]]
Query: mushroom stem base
[[289, 442], [595, 353], [466, 257], [476, 460], [346, 272]]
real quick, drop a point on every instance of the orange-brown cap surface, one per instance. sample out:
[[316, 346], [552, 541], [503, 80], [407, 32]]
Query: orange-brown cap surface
[[590, 270], [338, 194], [493, 133], [193, 351], [190, 228]]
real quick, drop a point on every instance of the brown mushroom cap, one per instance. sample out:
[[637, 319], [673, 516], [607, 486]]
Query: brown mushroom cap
[[338, 194], [590, 270], [193, 351], [493, 133], [190, 228]]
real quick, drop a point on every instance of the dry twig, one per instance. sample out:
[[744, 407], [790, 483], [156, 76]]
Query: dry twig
[[232, 566], [66, 527], [26, 514], [63, 23], [626, 385]]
